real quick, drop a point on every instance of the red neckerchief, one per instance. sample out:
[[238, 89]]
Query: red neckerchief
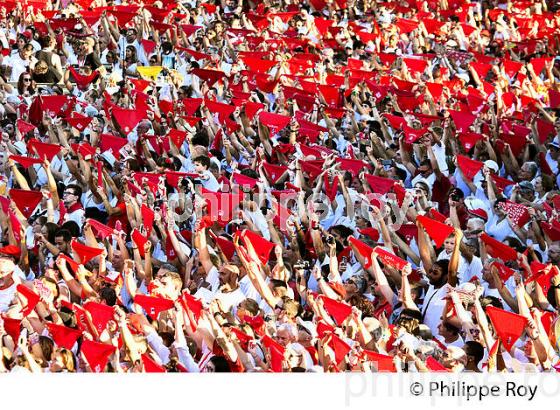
[[76, 207]]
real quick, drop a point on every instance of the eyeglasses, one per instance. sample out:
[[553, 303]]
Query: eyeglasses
[[27, 80], [68, 193]]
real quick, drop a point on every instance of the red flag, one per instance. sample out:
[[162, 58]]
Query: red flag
[[517, 212], [102, 230], [100, 314], [26, 162], [379, 184], [508, 326], [43, 150], [274, 172], [382, 362], [140, 240], [24, 127], [340, 347], [150, 366], [363, 249], [128, 119], [276, 122], [153, 306], [390, 259]]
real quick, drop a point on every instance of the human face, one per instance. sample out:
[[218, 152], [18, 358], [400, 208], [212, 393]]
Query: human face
[[199, 168], [225, 276], [69, 197], [209, 368], [425, 171], [304, 338], [61, 244], [6, 270], [525, 173], [283, 337], [449, 244], [435, 275], [130, 36], [554, 254]]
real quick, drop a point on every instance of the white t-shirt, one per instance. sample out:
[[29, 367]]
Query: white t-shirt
[[433, 306], [6, 297]]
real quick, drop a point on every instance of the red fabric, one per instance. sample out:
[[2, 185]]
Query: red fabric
[[100, 314], [128, 119], [112, 143], [276, 353], [517, 212], [26, 201], [43, 150], [147, 218], [435, 366], [338, 310], [390, 259], [470, 167], [97, 354], [210, 76], [496, 249], [150, 366], [508, 326], [24, 127], [383, 363], [379, 184], [363, 249], [226, 246], [103, 231], [140, 240], [274, 172], [26, 162], [436, 230], [340, 347], [262, 246], [30, 299], [78, 121], [153, 305], [274, 121], [85, 253], [63, 336]]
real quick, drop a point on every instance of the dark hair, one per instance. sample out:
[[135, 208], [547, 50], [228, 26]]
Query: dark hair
[[47, 347], [71, 227], [108, 295], [475, 349], [76, 188], [221, 365], [202, 160], [64, 233], [251, 306], [444, 265], [52, 228], [201, 138]]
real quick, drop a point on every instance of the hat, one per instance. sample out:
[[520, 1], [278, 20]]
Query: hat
[[492, 165], [526, 185], [309, 327], [554, 143], [479, 212], [11, 250]]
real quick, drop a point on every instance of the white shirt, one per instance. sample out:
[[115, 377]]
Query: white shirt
[[6, 297], [433, 306]]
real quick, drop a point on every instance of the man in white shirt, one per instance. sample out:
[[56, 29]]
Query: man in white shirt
[[74, 209], [434, 302], [7, 284], [20, 62]]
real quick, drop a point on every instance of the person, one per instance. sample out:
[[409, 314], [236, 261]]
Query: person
[[316, 201]]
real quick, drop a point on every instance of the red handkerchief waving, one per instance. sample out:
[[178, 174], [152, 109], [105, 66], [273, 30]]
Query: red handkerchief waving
[[508, 326], [97, 354], [153, 305], [338, 310], [435, 230], [85, 253], [390, 259]]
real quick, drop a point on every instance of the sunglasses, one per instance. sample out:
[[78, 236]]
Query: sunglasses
[[27, 80]]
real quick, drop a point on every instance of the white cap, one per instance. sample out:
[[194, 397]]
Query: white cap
[[492, 165]]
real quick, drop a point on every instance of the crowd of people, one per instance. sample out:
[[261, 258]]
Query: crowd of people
[[279, 186]]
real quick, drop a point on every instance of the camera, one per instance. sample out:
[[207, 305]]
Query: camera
[[330, 240], [302, 265]]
